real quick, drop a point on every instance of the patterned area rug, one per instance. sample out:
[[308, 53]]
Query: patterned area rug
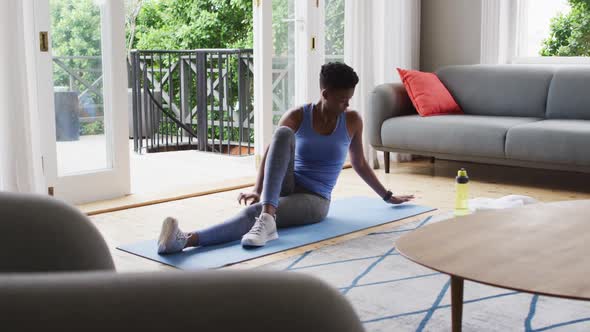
[[390, 293]]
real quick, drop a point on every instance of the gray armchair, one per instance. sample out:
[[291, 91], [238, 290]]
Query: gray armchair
[[41, 234], [57, 274]]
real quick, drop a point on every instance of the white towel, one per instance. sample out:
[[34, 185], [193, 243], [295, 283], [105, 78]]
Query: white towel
[[506, 202]]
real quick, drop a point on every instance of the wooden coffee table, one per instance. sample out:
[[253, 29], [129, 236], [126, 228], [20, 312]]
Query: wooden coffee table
[[541, 249]]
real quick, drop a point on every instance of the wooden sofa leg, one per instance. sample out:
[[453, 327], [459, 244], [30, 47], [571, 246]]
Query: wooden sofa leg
[[386, 161]]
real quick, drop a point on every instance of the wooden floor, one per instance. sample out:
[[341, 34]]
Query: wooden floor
[[416, 178]]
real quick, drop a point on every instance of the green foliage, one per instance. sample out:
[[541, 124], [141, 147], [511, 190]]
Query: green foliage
[[168, 129], [335, 27], [192, 24], [92, 128], [75, 31], [161, 24], [283, 26], [75, 27], [570, 33], [229, 133]]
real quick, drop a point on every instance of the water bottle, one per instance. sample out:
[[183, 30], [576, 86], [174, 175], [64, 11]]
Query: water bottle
[[461, 193]]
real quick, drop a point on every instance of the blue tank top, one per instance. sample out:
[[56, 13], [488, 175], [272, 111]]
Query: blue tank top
[[319, 158]]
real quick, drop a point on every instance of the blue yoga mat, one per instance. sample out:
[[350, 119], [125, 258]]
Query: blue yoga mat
[[345, 216]]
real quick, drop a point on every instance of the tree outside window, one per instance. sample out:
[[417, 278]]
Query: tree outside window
[[569, 31]]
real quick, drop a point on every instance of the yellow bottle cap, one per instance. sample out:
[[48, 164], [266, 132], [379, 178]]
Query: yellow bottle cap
[[462, 172]]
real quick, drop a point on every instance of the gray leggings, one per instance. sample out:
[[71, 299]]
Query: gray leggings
[[295, 205]]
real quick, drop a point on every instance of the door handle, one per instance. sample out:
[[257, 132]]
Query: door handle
[[43, 41]]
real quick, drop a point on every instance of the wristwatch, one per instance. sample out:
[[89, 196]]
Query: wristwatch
[[387, 196]]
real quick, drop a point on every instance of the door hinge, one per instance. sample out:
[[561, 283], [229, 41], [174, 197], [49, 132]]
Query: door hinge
[[43, 164], [43, 41], [312, 43]]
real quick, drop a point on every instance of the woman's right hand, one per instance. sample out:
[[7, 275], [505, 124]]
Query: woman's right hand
[[249, 198], [400, 199]]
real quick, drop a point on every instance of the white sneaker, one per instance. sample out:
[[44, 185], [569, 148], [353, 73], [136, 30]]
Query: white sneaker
[[171, 239], [264, 230]]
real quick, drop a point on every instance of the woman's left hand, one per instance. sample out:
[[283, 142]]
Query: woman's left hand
[[400, 199]]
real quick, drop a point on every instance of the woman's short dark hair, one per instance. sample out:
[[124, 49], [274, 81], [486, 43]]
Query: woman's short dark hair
[[338, 75]]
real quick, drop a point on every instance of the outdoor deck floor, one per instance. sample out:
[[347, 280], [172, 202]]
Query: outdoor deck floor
[[158, 175]]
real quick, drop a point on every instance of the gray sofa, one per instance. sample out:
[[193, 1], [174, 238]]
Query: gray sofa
[[517, 115], [56, 273]]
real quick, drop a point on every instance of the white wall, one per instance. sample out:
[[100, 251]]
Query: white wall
[[450, 33]]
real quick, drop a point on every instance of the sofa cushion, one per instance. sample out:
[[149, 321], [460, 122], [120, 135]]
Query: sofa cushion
[[551, 141], [569, 94], [472, 135], [428, 94], [504, 90]]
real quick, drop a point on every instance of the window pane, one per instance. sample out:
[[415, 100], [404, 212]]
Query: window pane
[[283, 61], [78, 86], [334, 13], [536, 24]]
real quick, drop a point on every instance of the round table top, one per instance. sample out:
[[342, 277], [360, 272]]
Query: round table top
[[542, 248]]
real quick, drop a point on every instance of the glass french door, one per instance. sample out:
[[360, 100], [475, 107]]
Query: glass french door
[[284, 27], [305, 35], [84, 83], [334, 30]]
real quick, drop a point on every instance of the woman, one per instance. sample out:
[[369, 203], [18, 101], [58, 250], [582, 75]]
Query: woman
[[298, 171]]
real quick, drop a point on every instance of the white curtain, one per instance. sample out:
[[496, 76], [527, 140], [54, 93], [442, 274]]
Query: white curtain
[[20, 151], [380, 35], [500, 33]]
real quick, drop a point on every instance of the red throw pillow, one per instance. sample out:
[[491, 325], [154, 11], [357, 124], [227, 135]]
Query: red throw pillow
[[428, 94]]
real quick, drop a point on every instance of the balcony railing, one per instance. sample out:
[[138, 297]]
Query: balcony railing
[[167, 101], [194, 99]]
